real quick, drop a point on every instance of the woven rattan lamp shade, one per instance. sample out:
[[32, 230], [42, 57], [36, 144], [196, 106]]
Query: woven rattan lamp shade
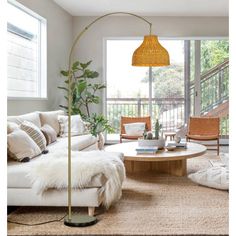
[[150, 53]]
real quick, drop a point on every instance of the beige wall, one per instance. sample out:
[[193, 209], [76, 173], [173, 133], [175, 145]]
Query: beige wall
[[59, 39], [91, 44]]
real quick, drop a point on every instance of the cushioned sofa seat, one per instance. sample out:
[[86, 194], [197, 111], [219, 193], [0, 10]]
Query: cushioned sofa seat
[[17, 175], [78, 143]]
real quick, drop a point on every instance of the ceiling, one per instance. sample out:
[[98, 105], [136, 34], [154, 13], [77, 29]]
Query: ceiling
[[146, 7]]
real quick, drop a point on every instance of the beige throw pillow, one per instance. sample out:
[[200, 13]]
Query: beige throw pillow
[[49, 133], [11, 126], [77, 125], [21, 146], [35, 133], [51, 118]]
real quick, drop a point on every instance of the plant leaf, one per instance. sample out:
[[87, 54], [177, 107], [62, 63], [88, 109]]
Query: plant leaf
[[66, 89], [81, 87], [75, 65], [85, 65], [65, 73]]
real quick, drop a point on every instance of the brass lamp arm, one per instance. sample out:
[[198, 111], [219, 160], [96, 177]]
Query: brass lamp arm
[[99, 18], [70, 96]]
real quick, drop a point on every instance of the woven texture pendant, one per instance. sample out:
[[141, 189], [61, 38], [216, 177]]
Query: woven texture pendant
[[150, 53]]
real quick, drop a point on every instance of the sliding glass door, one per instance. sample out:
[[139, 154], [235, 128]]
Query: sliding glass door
[[142, 91], [196, 83]]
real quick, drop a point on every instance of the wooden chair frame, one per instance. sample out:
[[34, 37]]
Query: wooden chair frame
[[204, 129]]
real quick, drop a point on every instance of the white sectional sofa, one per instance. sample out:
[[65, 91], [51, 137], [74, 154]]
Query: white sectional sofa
[[20, 192]]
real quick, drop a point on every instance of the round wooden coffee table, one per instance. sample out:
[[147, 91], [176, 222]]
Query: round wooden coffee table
[[171, 162]]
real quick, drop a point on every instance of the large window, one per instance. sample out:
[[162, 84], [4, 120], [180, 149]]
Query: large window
[[140, 91], [26, 37]]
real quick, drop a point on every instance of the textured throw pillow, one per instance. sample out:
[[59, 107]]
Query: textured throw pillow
[[35, 133], [49, 133], [213, 177], [51, 118], [21, 146], [11, 126], [135, 129], [77, 125]]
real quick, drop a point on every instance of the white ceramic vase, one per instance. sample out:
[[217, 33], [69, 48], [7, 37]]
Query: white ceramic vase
[[101, 141]]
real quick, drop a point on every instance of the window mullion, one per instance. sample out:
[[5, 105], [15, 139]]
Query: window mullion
[[150, 92]]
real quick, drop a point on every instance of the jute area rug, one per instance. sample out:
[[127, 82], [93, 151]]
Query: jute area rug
[[151, 204]]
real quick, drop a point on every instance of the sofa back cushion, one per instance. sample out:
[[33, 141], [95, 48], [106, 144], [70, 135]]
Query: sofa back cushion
[[35, 133], [31, 117], [77, 125], [51, 118], [21, 146]]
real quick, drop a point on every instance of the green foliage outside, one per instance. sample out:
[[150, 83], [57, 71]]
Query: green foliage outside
[[213, 52], [168, 81]]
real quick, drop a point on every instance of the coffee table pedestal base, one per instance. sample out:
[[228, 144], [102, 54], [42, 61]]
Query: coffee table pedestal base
[[175, 168]]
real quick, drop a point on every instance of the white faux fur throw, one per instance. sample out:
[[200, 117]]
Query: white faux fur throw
[[51, 172]]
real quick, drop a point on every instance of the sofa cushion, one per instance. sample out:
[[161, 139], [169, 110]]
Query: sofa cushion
[[20, 145], [78, 143], [35, 133], [49, 133], [51, 118], [32, 117], [17, 175]]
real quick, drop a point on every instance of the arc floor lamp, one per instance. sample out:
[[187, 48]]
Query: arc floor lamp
[[150, 53]]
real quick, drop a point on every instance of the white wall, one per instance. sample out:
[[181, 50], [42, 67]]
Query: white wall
[[59, 39], [90, 46]]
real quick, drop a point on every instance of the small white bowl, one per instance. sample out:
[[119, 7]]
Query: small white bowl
[[170, 148]]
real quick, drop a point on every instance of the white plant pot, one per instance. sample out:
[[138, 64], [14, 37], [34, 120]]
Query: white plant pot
[[101, 141], [160, 143]]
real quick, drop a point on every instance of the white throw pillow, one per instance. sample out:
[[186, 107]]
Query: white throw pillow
[[77, 125], [213, 177], [11, 126], [20, 145], [135, 129]]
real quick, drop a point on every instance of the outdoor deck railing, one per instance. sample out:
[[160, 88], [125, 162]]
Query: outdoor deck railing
[[169, 111], [214, 91]]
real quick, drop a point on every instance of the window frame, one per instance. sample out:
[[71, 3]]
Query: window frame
[[42, 48]]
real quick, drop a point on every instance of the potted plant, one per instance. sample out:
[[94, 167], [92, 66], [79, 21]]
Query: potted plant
[[149, 140], [97, 124], [84, 91]]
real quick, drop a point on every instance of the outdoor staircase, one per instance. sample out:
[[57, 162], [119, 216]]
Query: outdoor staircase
[[214, 90], [220, 110], [215, 94]]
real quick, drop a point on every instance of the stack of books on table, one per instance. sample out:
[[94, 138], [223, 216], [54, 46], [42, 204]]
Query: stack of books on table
[[146, 150], [178, 145]]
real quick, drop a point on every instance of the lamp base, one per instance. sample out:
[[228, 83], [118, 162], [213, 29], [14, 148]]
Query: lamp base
[[78, 220]]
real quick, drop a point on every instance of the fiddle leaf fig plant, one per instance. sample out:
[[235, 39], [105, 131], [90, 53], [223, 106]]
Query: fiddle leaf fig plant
[[84, 91], [83, 88]]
